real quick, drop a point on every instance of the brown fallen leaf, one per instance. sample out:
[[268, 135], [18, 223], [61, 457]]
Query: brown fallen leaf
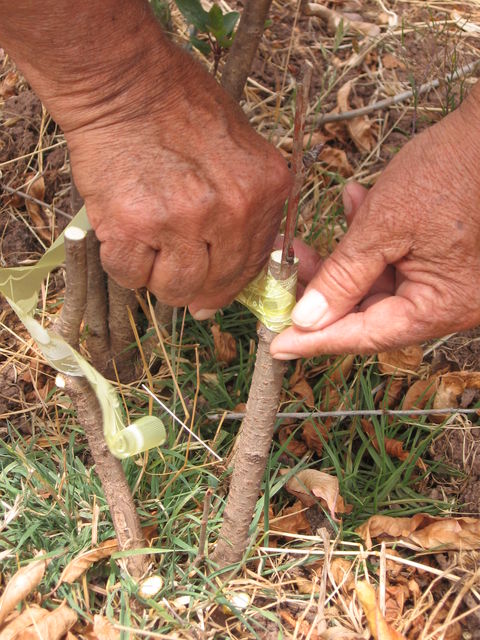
[[390, 61], [309, 140], [14, 628], [400, 362], [428, 532], [53, 626], [335, 19], [341, 369], [36, 189], [225, 345], [393, 447], [359, 128], [389, 395], [336, 160], [291, 520], [78, 565], [311, 486], [293, 446], [342, 575], [303, 391], [379, 628], [314, 433], [304, 628], [420, 393], [20, 585], [7, 88], [103, 629]]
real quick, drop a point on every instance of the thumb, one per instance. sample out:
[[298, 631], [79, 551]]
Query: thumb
[[343, 279]]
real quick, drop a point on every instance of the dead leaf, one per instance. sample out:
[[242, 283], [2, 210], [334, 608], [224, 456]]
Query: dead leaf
[[336, 160], [393, 447], [379, 628], [390, 61], [53, 626], [7, 88], [390, 394], [314, 433], [335, 19], [309, 140], [225, 345], [400, 362], [303, 628], [104, 629], [78, 565], [428, 532], [420, 393], [341, 574], [293, 446], [15, 627], [303, 391], [359, 128], [291, 520], [450, 387], [341, 369], [20, 585], [36, 189], [311, 486]]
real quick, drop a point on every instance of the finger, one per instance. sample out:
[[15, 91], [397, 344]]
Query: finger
[[179, 272], [341, 282], [388, 323], [129, 263], [353, 196]]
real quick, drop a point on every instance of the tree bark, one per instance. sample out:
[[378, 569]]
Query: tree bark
[[245, 45]]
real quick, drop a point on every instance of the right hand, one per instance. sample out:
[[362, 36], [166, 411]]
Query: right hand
[[183, 195]]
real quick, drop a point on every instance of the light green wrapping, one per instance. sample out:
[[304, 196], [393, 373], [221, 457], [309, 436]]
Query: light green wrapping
[[20, 285], [269, 299]]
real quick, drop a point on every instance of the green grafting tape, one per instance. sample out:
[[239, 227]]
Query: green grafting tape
[[20, 286], [269, 299]]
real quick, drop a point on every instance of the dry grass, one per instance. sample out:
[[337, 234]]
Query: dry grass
[[294, 584]]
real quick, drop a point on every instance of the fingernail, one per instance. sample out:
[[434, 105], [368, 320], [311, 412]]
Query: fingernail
[[204, 314], [286, 356], [310, 309], [347, 202]]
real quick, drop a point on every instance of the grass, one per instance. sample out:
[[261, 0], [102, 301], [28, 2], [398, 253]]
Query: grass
[[50, 497]]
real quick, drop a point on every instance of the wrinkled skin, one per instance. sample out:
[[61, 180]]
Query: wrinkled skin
[[184, 196], [408, 268], [191, 200]]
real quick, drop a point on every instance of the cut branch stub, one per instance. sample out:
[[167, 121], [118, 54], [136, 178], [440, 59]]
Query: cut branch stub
[[253, 445]]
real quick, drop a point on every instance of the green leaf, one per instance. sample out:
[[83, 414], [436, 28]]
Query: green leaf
[[194, 13], [229, 21], [215, 20], [201, 45]]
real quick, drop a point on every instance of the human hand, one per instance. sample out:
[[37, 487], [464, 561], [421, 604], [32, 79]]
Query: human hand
[[185, 201], [415, 238], [184, 196]]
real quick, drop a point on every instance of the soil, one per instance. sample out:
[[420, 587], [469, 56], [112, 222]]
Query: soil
[[25, 130]]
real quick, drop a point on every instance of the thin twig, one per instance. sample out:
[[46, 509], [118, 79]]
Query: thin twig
[[349, 412], [202, 538], [303, 88], [27, 196], [400, 97]]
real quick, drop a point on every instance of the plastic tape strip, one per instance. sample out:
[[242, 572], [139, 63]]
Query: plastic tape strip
[[20, 285], [271, 300]]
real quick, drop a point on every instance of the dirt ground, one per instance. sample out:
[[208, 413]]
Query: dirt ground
[[32, 147]]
